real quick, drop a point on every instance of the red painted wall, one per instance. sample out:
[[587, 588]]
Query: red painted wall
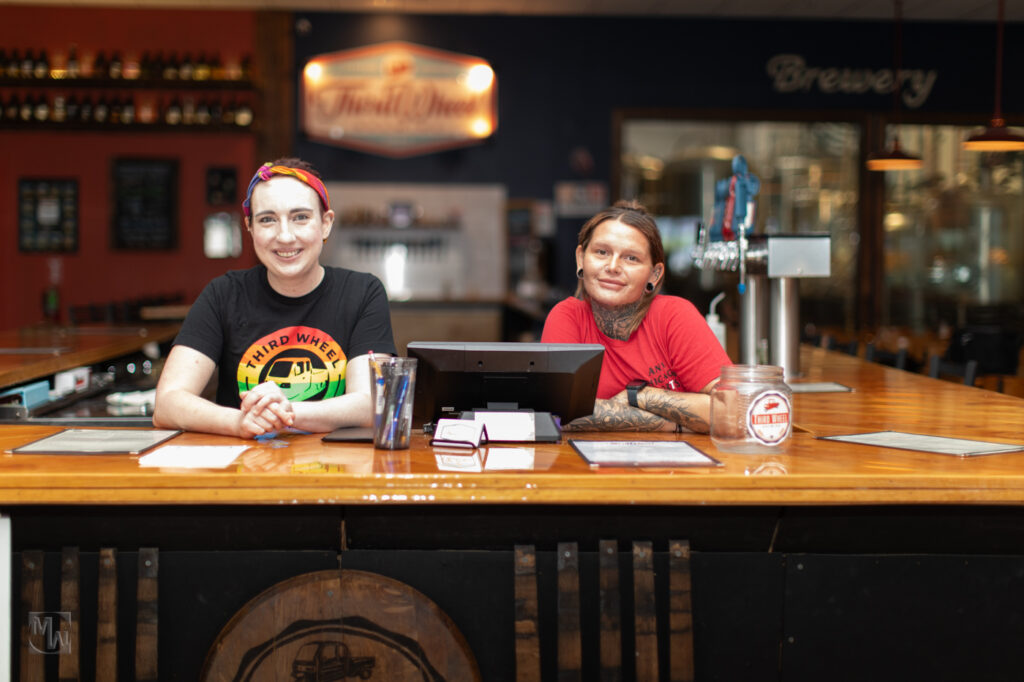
[[96, 273]]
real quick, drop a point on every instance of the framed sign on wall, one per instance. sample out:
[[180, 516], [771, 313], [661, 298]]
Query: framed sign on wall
[[47, 214], [145, 204]]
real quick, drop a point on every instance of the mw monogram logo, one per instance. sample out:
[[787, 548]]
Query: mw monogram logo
[[49, 632]]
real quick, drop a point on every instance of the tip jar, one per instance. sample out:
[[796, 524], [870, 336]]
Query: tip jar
[[751, 409]]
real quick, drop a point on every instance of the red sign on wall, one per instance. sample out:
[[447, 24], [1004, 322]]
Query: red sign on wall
[[398, 99]]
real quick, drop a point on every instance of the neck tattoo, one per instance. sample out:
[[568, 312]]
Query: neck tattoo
[[615, 322]]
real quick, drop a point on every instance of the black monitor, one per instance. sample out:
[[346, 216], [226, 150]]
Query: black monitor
[[454, 379]]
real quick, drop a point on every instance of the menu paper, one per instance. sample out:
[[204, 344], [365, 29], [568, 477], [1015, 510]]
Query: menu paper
[[192, 456], [941, 445], [819, 387], [641, 453]]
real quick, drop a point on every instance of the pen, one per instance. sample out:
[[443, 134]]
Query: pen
[[403, 387]]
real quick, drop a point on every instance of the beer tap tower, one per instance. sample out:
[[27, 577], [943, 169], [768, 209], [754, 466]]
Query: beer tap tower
[[770, 267]]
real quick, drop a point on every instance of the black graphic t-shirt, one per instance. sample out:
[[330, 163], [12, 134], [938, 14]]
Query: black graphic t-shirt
[[255, 334]]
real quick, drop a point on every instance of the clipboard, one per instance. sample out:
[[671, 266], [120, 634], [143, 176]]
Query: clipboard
[[641, 453], [96, 442]]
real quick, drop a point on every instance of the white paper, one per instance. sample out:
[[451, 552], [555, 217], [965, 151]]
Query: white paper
[[193, 456], [937, 444], [508, 426]]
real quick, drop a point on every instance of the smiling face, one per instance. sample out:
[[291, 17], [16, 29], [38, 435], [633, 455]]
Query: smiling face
[[288, 232], [617, 265]]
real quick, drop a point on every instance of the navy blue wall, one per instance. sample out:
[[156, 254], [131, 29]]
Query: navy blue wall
[[561, 78]]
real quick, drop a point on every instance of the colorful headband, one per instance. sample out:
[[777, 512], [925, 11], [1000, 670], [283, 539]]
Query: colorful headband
[[269, 170]]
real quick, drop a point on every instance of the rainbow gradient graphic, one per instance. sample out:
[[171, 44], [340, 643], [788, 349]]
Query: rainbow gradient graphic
[[305, 362]]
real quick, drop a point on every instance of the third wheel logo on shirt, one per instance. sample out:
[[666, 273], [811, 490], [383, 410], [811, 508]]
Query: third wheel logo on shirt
[[768, 417]]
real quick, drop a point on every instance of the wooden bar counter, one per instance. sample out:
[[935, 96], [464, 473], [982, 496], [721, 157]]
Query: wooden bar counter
[[300, 469], [821, 561], [37, 352]]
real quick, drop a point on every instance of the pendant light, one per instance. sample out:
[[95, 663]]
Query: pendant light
[[997, 137], [894, 158]]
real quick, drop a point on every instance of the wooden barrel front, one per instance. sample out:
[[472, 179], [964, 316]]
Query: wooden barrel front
[[338, 625]]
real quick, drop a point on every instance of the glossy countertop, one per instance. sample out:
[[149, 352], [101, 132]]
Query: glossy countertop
[[298, 469]]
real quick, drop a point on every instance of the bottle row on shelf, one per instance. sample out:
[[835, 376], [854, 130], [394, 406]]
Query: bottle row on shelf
[[121, 109], [38, 65]]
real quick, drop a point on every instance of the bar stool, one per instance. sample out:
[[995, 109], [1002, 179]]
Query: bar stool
[[885, 357], [938, 368]]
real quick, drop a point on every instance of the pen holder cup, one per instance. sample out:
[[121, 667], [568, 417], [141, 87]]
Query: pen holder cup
[[392, 392]]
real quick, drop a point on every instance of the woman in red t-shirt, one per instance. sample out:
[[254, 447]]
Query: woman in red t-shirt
[[661, 359]]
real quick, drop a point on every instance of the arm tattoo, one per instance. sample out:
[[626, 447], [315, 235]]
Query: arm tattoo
[[611, 415], [679, 408]]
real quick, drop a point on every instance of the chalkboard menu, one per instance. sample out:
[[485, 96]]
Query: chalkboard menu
[[47, 215], [145, 204]]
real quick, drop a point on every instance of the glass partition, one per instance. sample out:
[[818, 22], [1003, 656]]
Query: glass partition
[[809, 183], [952, 233]]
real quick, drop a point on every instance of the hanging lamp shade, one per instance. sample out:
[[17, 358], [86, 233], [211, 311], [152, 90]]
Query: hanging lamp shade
[[997, 137], [894, 158]]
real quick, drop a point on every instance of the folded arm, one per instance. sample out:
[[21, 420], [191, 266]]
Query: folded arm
[[659, 410], [264, 409]]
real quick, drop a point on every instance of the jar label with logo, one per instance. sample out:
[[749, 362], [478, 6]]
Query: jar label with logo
[[768, 417]]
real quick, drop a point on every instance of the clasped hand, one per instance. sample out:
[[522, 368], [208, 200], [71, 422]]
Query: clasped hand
[[264, 409]]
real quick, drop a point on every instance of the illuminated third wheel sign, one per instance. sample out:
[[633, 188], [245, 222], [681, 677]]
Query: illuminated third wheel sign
[[398, 99]]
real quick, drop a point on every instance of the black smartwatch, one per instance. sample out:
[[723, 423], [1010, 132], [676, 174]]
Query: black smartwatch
[[633, 388]]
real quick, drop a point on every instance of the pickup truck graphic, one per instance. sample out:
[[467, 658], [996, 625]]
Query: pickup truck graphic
[[297, 377], [329, 661]]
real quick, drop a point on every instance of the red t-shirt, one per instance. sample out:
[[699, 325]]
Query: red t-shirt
[[673, 348]]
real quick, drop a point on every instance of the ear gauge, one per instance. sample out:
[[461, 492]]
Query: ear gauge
[[579, 274], [649, 287]]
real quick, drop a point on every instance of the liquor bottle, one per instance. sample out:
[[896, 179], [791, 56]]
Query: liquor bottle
[[3, 62], [41, 66], [203, 68], [85, 110], [25, 110], [72, 108], [132, 68], [186, 69], [99, 66], [13, 65], [128, 110], [216, 112], [188, 112], [101, 111], [74, 69], [172, 115], [28, 64], [115, 68], [170, 68], [246, 73], [228, 115], [202, 113], [41, 109], [12, 108], [243, 115], [114, 113], [60, 109], [146, 66], [217, 70]]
